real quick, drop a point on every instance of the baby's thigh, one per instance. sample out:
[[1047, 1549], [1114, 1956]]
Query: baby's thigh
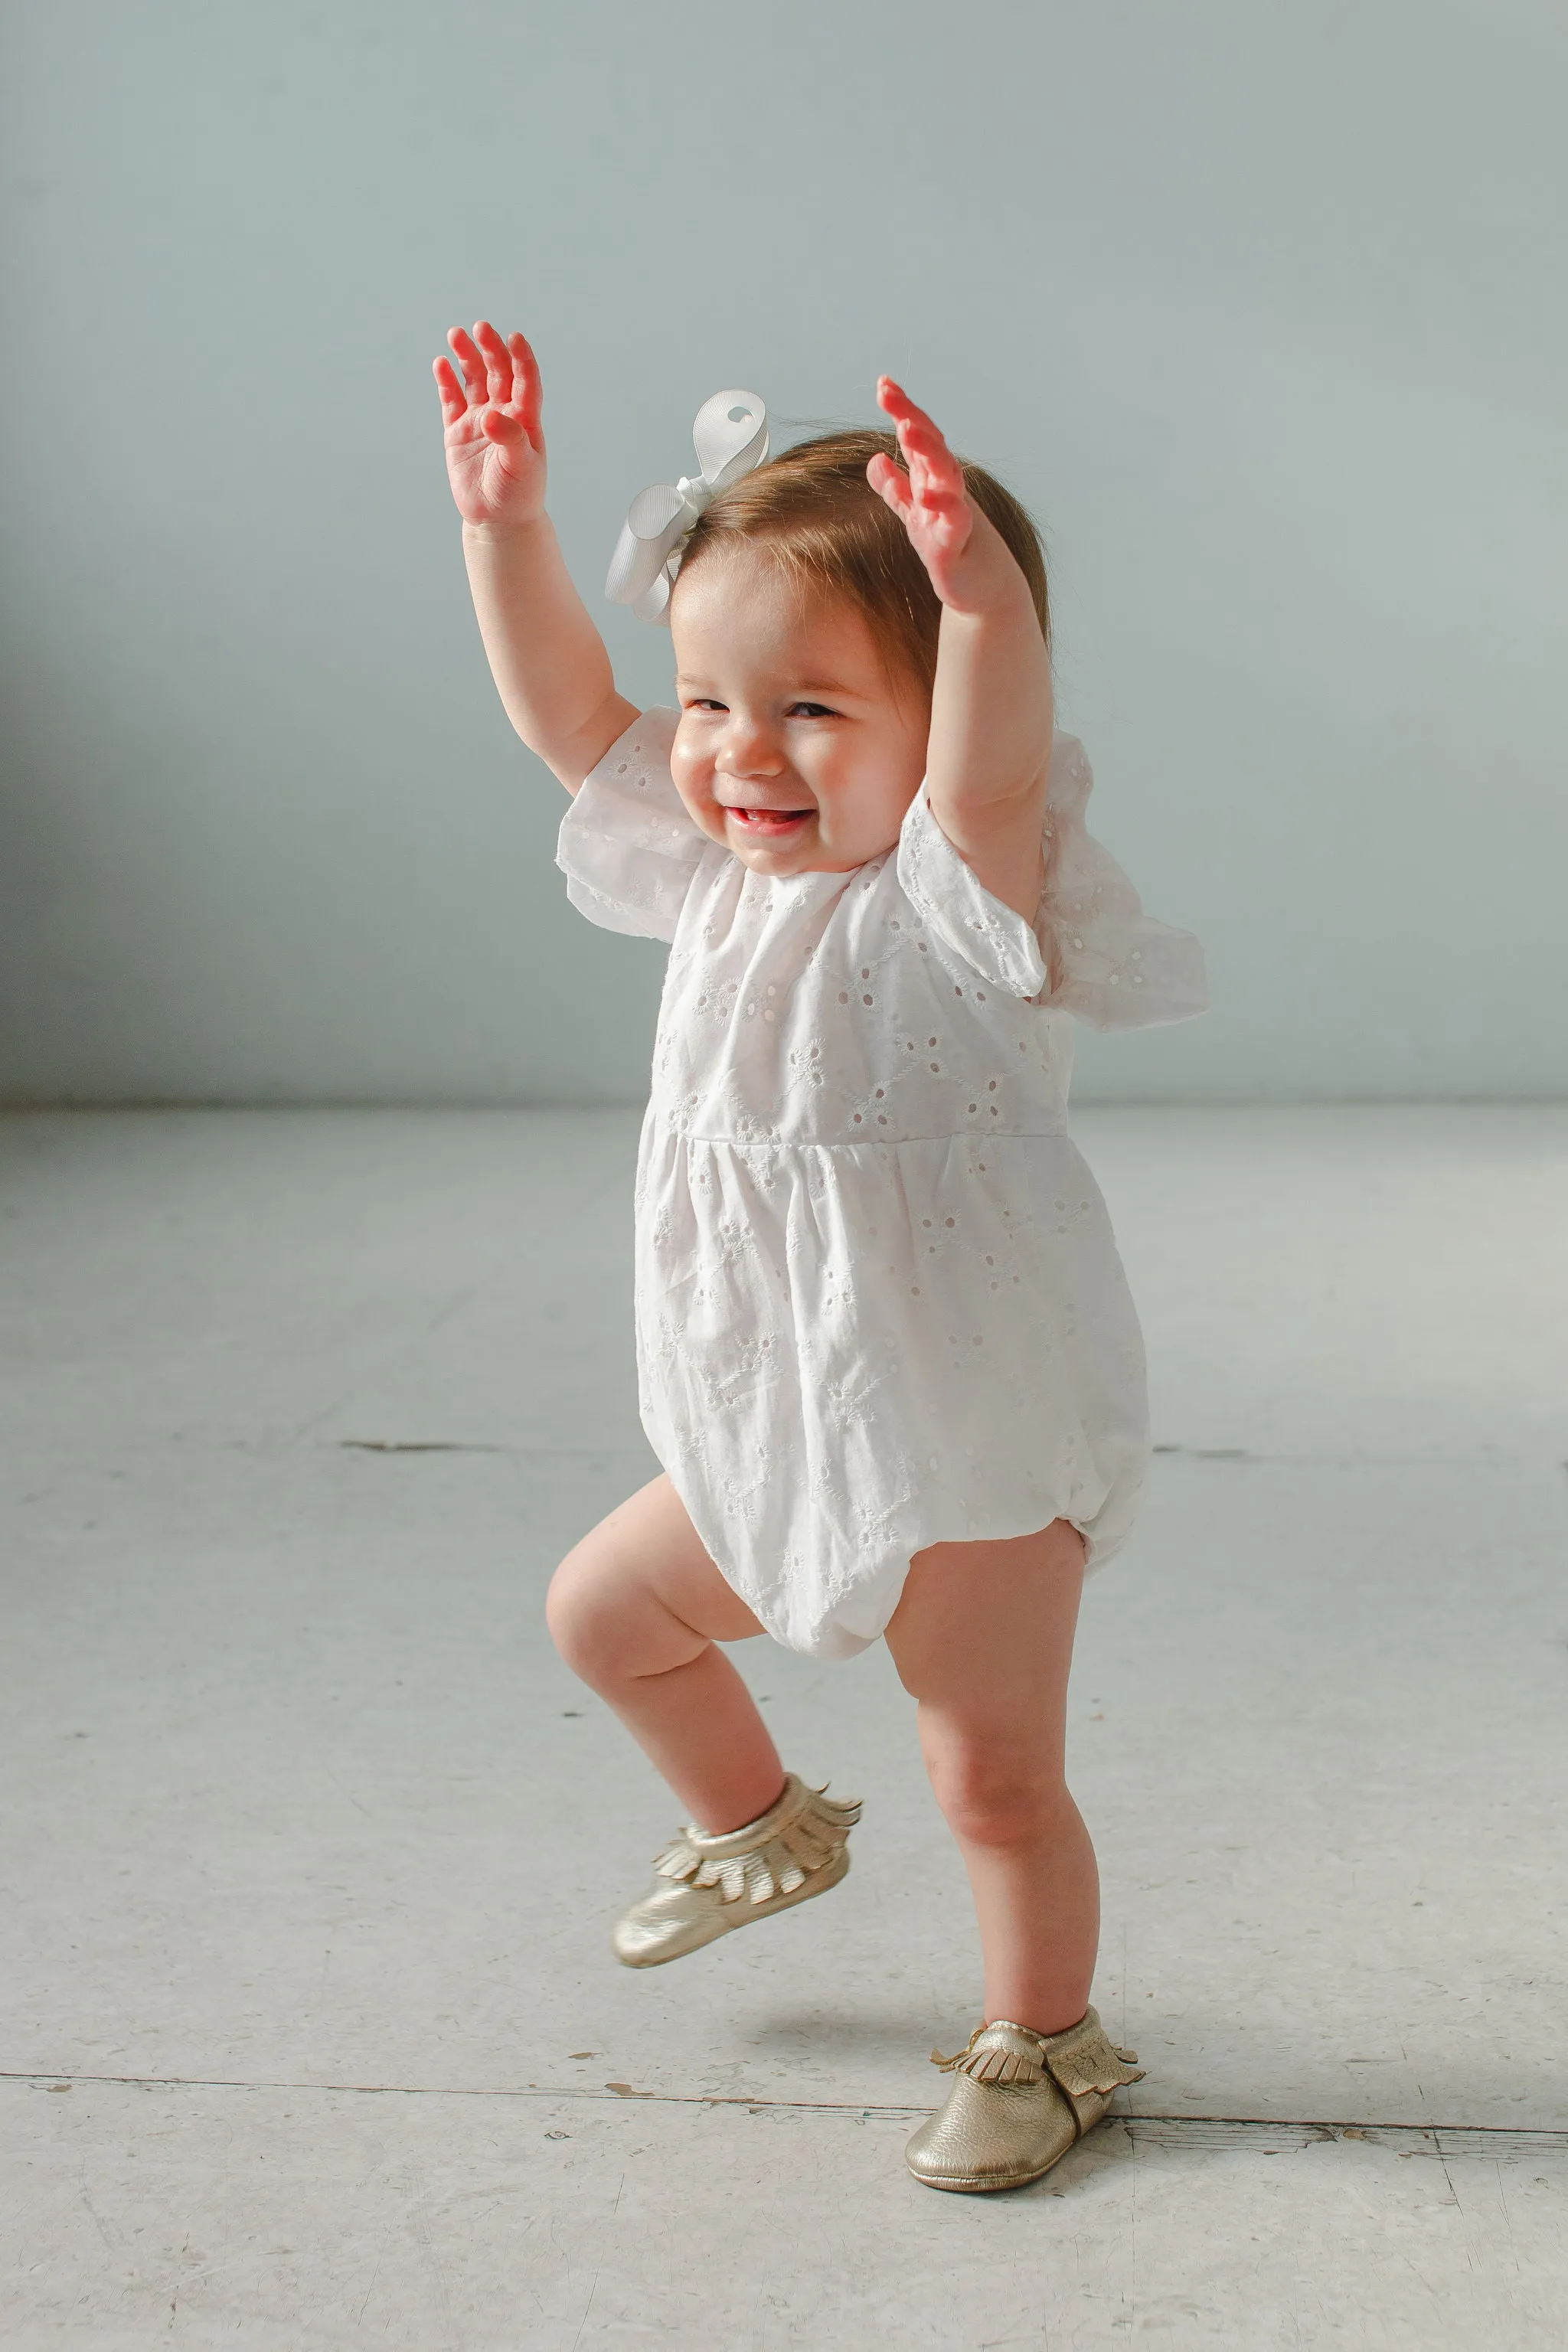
[[639, 1592], [983, 1634]]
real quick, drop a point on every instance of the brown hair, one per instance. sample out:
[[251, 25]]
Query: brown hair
[[813, 510]]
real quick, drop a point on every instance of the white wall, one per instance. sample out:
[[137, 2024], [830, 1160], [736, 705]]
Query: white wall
[[1259, 306]]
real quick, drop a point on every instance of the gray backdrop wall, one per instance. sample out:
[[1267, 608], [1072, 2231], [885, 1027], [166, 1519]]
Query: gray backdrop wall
[[1259, 307]]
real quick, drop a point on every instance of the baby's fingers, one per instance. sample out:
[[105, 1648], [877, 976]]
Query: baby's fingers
[[526, 386], [498, 363], [911, 423], [497, 373], [892, 483], [476, 374], [453, 400], [937, 474]]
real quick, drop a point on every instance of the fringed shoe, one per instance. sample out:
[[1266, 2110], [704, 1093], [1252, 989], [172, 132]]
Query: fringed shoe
[[1018, 2102], [706, 1886]]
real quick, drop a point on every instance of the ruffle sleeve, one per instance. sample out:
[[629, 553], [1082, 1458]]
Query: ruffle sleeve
[[626, 845], [1091, 950], [1111, 965], [991, 939]]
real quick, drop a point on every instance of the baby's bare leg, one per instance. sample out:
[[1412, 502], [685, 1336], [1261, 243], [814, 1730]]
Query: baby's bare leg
[[636, 1609], [982, 1639]]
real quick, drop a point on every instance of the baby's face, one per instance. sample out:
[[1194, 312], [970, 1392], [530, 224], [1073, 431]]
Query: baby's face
[[794, 747]]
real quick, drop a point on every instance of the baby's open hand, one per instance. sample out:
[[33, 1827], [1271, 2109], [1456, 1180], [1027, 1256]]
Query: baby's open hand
[[495, 446], [930, 501]]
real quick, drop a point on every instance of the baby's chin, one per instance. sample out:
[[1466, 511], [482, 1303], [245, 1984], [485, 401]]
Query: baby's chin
[[799, 850], [779, 863]]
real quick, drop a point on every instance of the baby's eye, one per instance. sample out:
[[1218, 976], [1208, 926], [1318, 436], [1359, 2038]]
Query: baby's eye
[[810, 711], [704, 702]]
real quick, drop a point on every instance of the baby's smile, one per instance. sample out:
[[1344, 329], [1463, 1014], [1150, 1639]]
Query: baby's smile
[[769, 823]]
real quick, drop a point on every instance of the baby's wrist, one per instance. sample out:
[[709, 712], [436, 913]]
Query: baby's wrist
[[986, 584], [499, 532]]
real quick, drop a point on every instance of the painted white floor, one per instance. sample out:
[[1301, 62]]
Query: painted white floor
[[309, 2031]]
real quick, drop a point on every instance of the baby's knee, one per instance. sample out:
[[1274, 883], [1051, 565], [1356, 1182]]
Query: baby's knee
[[992, 1797], [588, 1629], [608, 1622]]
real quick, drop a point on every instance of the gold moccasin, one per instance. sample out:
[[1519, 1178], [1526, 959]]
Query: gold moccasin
[[1020, 2101], [706, 1886]]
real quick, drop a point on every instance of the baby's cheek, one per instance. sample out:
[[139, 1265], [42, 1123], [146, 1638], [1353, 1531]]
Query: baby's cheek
[[691, 771], [693, 776], [863, 812]]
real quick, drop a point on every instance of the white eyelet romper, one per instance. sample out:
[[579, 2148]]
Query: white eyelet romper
[[878, 1304]]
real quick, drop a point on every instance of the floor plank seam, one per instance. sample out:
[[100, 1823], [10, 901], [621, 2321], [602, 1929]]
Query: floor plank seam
[[1543, 2138], [1245, 1457]]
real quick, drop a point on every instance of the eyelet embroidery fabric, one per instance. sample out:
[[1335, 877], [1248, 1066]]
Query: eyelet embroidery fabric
[[878, 1301]]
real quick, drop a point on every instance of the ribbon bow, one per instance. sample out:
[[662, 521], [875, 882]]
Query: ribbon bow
[[731, 437]]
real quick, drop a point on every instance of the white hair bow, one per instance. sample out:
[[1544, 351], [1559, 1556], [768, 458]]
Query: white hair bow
[[731, 437]]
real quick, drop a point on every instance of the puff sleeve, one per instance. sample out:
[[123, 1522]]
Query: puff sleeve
[[985, 936], [1111, 965], [626, 845], [1090, 950]]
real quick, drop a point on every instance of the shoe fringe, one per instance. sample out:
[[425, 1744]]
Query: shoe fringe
[[1080, 2061], [806, 1840]]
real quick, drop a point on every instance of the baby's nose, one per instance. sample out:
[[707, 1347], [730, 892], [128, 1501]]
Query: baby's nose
[[750, 752]]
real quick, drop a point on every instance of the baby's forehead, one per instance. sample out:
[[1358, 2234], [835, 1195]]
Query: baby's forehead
[[761, 615]]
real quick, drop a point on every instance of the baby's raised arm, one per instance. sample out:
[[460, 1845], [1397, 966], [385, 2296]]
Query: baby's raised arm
[[549, 661], [992, 715]]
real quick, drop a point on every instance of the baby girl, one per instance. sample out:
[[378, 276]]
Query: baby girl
[[885, 1346]]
